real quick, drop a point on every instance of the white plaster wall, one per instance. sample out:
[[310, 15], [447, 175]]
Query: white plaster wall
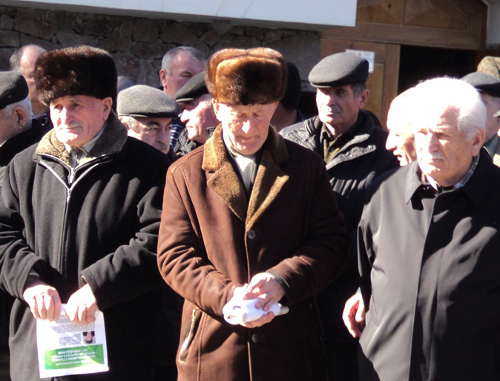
[[291, 13]]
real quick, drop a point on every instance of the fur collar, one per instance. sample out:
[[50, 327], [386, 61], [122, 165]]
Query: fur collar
[[224, 181], [111, 141]]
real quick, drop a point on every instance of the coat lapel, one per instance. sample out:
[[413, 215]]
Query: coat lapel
[[270, 178], [223, 180]]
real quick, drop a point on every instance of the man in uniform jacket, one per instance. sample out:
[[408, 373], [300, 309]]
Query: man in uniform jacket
[[428, 249], [231, 224], [79, 217], [353, 149]]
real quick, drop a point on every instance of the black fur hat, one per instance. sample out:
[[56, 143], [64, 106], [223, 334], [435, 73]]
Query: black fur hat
[[80, 70]]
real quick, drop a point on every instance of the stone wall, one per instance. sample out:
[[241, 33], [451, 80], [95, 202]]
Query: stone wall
[[138, 44]]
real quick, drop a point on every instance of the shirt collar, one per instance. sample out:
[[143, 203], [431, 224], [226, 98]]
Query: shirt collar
[[87, 147], [416, 180]]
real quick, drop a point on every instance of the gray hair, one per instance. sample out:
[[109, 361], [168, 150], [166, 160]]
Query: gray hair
[[451, 93], [168, 58], [15, 58], [358, 88]]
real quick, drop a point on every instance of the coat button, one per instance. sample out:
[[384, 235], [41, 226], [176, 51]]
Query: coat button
[[251, 234], [255, 338]]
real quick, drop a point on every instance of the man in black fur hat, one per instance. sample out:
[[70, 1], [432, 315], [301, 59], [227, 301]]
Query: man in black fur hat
[[79, 217]]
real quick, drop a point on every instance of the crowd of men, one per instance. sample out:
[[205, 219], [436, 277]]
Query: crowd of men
[[159, 206]]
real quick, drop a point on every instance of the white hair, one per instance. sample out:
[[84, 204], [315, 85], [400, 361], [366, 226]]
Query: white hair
[[399, 116], [450, 93]]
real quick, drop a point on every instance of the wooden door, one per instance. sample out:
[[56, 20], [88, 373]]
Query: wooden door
[[383, 82]]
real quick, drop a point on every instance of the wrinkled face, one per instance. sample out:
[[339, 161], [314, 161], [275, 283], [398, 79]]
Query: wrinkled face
[[184, 67], [444, 153], [78, 119], [154, 131], [246, 127], [492, 106], [338, 107], [400, 141], [198, 115]]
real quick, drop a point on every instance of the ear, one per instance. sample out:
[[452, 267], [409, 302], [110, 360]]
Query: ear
[[21, 117], [107, 103], [477, 142], [363, 98], [163, 78], [217, 111]]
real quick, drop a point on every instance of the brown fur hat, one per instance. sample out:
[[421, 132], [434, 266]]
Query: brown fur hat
[[80, 70], [246, 76]]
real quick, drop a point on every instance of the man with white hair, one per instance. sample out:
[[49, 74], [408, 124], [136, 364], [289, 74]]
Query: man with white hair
[[428, 249]]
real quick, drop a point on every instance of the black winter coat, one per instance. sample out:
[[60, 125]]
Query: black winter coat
[[98, 223], [352, 170], [430, 268]]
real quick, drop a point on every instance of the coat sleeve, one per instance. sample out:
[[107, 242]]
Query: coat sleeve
[[17, 258], [131, 270], [180, 259]]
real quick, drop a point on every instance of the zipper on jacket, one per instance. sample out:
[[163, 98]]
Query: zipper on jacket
[[189, 338]]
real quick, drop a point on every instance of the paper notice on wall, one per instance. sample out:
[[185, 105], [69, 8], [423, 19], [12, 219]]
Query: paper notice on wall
[[65, 348]]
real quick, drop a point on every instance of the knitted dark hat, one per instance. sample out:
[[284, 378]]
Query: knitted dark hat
[[80, 70], [13, 88], [246, 76]]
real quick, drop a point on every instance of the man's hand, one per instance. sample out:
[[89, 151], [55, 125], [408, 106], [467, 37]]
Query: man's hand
[[44, 300], [82, 306], [268, 291], [354, 315]]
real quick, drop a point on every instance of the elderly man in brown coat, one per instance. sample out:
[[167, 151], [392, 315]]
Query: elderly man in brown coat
[[250, 214]]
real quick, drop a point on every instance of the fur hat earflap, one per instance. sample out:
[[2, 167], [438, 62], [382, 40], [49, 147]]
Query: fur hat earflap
[[246, 76], [80, 70]]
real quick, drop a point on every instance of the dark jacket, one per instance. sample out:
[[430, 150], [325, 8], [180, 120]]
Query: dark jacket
[[20, 142], [97, 224], [351, 171], [430, 268], [184, 145], [213, 239]]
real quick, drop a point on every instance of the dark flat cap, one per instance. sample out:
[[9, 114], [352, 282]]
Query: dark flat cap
[[13, 88], [194, 88], [484, 82], [339, 69], [147, 102]]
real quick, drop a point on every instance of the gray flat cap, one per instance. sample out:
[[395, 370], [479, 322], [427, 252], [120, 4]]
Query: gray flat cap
[[146, 101], [339, 69], [13, 88], [484, 82], [194, 88]]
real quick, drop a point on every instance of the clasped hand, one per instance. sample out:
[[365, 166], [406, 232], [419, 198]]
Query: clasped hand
[[267, 290], [45, 303]]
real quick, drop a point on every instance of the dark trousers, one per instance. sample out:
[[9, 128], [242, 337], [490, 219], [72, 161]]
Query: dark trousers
[[342, 361]]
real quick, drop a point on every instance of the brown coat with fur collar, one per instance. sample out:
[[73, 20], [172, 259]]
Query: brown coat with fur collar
[[213, 239]]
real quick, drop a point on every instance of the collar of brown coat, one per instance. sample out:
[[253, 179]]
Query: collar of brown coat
[[111, 141], [224, 181]]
